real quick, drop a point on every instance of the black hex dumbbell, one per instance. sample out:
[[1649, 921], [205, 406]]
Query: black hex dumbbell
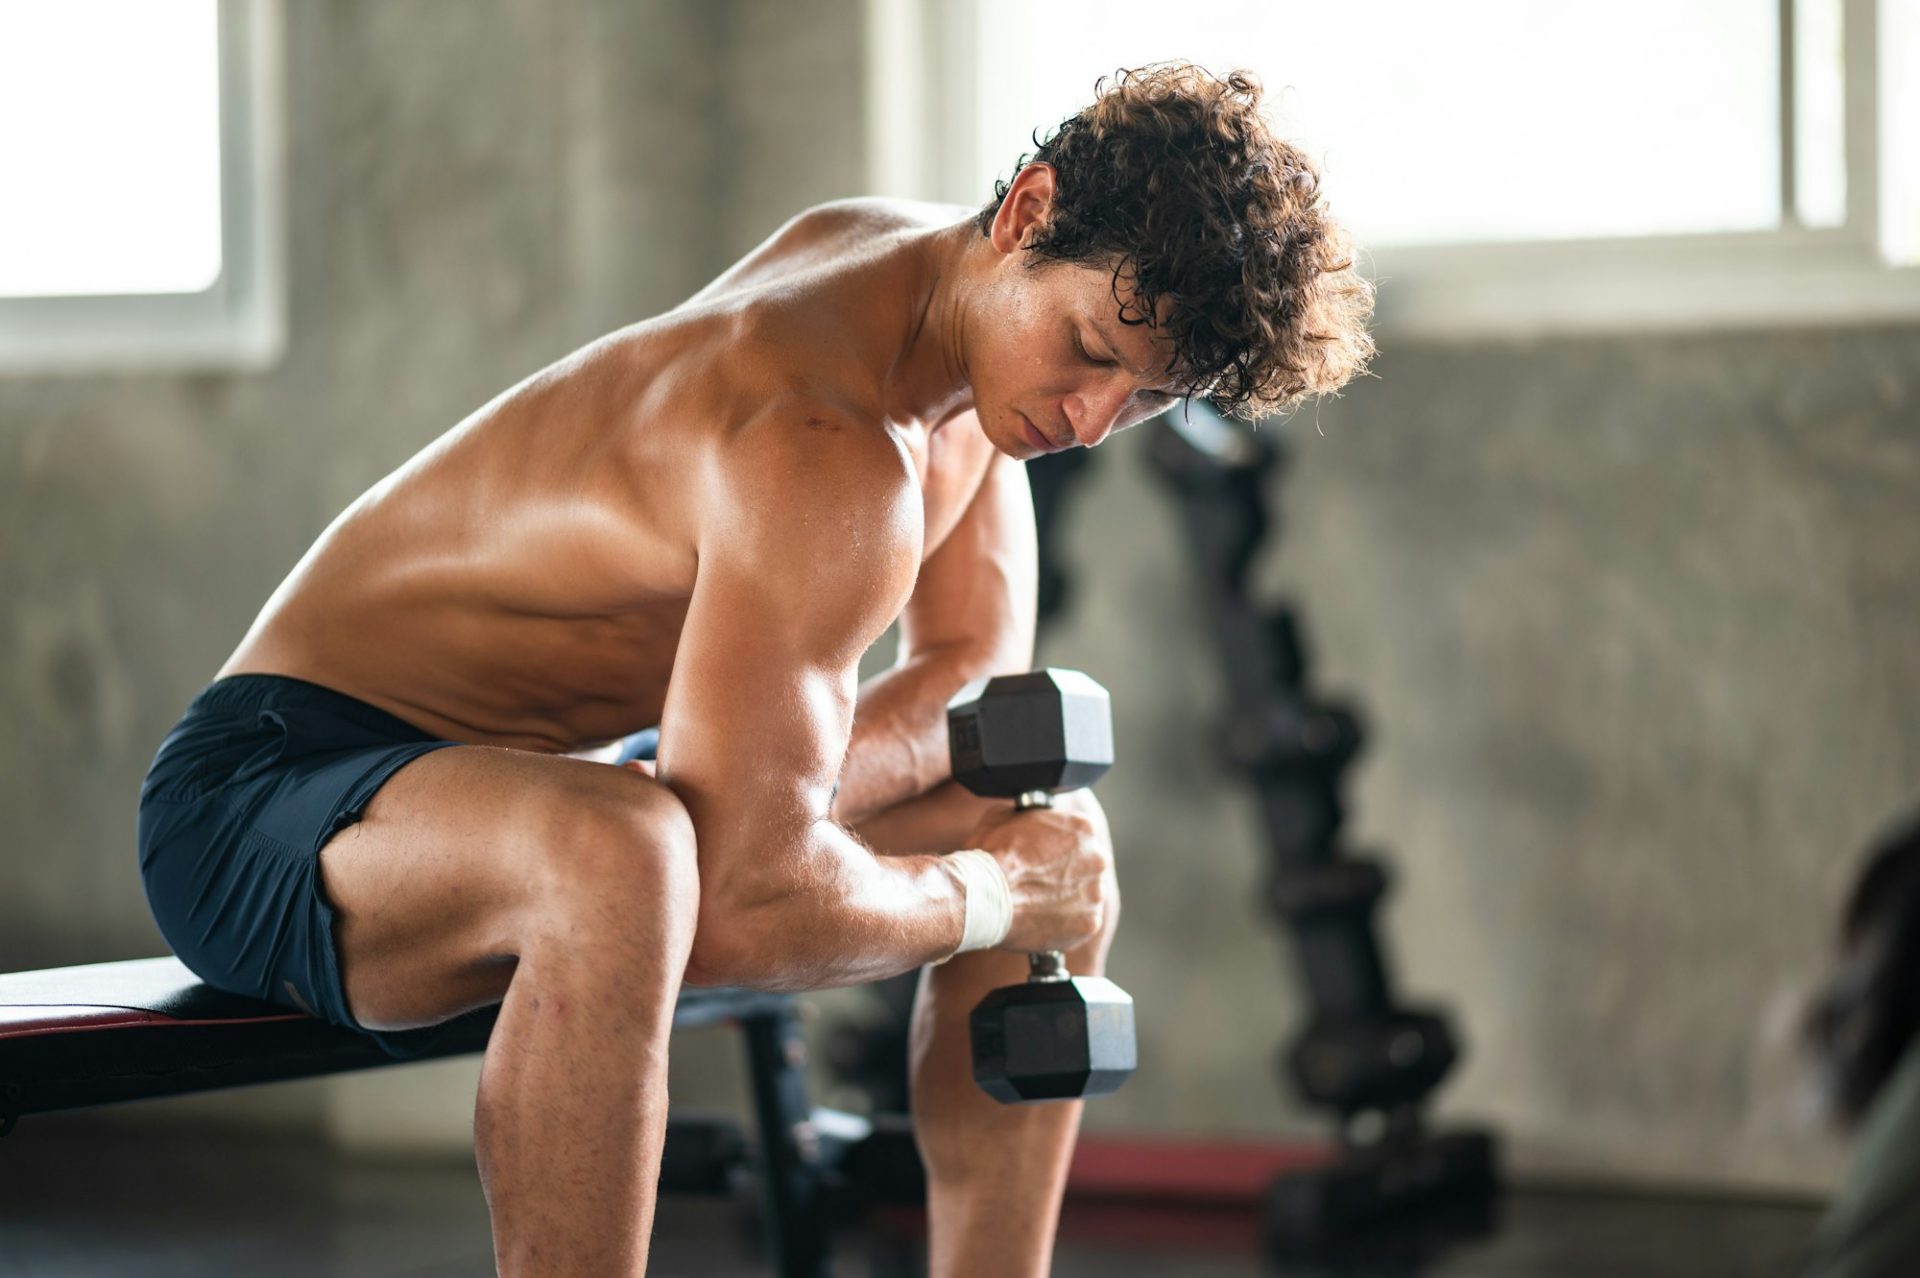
[[1027, 738]]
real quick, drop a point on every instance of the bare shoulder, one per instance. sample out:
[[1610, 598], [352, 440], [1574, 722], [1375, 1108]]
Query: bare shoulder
[[805, 462], [870, 215], [811, 490], [835, 231]]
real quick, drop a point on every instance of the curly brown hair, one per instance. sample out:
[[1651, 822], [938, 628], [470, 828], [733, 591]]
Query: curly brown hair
[[1173, 179]]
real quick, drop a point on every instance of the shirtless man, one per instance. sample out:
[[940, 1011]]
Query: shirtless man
[[701, 522]]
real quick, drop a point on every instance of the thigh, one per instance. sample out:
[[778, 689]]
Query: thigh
[[455, 860]]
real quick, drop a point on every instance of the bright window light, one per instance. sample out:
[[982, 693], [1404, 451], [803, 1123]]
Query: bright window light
[[1900, 132], [109, 147], [1820, 113], [1476, 121]]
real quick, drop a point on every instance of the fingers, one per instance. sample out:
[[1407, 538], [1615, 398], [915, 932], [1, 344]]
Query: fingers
[[1059, 864], [1089, 958]]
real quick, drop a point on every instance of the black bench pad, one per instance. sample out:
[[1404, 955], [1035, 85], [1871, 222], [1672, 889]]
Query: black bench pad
[[76, 1036]]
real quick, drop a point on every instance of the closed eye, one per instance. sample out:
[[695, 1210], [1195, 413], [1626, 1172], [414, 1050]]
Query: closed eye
[[1080, 344]]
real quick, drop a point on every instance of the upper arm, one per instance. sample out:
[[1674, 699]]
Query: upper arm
[[980, 588], [808, 546]]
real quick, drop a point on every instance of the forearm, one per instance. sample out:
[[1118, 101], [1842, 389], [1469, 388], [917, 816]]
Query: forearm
[[898, 750], [938, 821], [838, 916]]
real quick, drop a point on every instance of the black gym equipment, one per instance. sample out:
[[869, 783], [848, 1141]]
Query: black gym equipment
[[81, 1036], [1361, 1054], [1028, 737], [869, 1053]]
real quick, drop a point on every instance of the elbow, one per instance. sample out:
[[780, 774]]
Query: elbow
[[769, 887], [721, 955], [736, 940], [729, 950]]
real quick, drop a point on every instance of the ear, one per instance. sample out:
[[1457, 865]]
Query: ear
[[1024, 212]]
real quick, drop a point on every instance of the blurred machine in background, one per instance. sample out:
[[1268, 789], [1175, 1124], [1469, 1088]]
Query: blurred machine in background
[[1361, 1055]]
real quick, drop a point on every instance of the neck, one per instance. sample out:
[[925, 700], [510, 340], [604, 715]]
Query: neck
[[927, 382]]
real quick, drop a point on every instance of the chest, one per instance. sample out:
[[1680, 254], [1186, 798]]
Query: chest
[[952, 465]]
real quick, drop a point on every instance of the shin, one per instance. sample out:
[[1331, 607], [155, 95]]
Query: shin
[[996, 1173]]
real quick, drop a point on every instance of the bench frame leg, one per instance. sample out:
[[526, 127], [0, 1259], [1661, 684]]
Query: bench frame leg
[[792, 1178]]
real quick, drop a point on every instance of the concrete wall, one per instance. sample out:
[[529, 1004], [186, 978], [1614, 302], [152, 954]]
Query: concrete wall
[[1629, 616], [1636, 626], [793, 127], [1640, 624]]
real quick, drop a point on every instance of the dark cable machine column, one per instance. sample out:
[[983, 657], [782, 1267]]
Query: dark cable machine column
[[1361, 1054]]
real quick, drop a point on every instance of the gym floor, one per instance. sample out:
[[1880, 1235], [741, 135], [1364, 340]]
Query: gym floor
[[79, 1196]]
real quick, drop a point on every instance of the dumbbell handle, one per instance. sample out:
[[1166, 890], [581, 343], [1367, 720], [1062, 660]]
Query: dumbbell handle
[[1042, 965]]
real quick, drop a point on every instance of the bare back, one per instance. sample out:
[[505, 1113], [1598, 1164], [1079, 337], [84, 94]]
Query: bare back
[[524, 580]]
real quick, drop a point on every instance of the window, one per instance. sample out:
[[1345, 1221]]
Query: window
[[139, 159], [1508, 165]]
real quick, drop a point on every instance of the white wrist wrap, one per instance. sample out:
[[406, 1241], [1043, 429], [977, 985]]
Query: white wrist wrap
[[989, 899]]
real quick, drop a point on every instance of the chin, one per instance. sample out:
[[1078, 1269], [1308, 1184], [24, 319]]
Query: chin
[[1008, 438]]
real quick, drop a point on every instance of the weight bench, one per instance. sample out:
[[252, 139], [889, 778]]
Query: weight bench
[[72, 1037]]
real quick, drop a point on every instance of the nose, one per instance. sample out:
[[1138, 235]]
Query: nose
[[1094, 413]]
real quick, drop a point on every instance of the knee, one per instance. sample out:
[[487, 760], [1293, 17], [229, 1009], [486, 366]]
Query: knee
[[619, 863]]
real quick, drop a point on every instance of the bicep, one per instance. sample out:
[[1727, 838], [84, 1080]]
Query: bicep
[[760, 703], [980, 588], [757, 712]]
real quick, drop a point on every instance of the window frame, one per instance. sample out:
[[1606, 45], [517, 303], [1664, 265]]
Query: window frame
[[921, 136], [237, 323]]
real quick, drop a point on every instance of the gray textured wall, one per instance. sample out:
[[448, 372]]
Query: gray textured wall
[[1640, 623], [1637, 628], [1631, 618]]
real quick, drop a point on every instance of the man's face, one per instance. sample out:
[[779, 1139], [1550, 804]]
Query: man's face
[[1053, 366]]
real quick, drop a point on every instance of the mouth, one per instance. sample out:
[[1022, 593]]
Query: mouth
[[1035, 438]]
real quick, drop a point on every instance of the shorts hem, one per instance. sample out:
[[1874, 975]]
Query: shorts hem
[[352, 807]]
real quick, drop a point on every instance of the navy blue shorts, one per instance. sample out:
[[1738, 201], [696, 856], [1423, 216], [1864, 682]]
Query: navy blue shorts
[[250, 784]]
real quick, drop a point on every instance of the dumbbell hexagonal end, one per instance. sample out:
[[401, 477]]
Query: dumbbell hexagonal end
[[1046, 730], [1054, 1040]]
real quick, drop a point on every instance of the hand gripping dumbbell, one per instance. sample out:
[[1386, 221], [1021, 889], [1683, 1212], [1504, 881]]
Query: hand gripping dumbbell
[[1028, 737]]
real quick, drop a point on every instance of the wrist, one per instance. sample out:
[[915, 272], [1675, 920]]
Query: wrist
[[987, 896]]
